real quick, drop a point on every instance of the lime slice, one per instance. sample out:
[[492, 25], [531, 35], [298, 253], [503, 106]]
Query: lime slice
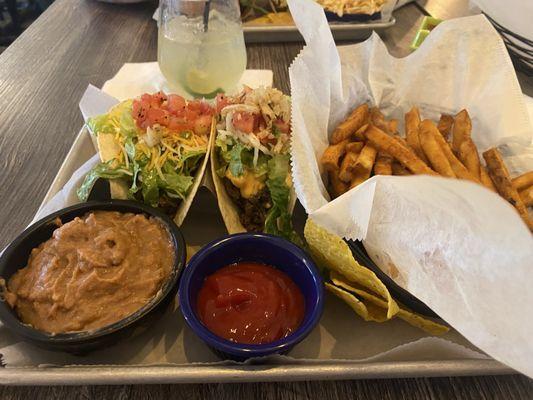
[[198, 82]]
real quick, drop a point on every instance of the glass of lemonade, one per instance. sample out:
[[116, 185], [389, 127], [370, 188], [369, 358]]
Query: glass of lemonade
[[201, 47]]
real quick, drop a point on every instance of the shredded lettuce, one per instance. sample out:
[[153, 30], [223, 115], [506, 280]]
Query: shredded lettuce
[[279, 219], [102, 170], [147, 183]]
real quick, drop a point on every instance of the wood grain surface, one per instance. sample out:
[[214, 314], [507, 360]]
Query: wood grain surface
[[42, 77]]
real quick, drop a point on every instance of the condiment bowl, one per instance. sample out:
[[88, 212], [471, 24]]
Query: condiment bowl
[[252, 247], [16, 257]]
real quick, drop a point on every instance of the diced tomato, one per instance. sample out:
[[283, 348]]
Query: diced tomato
[[191, 114], [244, 121], [195, 105], [160, 97], [157, 116], [202, 124], [176, 104], [283, 127], [179, 125], [146, 97], [221, 101]]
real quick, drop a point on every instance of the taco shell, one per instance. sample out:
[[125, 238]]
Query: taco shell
[[108, 148], [229, 210]]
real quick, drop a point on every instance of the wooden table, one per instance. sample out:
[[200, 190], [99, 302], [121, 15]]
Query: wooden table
[[42, 77]]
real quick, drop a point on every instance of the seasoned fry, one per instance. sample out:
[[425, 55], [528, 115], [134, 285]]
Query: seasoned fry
[[359, 177], [383, 165], [427, 131], [412, 123], [393, 126], [383, 142], [445, 125], [360, 133], [354, 147], [331, 156], [338, 187], [500, 176], [469, 156], [458, 168], [485, 179], [366, 159], [378, 119], [351, 124], [527, 196], [347, 166], [523, 181], [462, 129], [399, 169]]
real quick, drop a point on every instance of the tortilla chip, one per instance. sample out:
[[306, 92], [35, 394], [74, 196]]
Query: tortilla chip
[[410, 317], [228, 209], [369, 312], [332, 252]]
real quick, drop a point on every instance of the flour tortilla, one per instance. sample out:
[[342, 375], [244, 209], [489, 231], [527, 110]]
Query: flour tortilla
[[108, 148], [229, 210]]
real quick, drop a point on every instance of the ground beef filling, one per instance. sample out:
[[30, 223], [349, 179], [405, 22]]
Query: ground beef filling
[[253, 211]]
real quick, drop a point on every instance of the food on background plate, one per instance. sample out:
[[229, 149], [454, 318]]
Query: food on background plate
[[276, 12], [94, 271], [153, 149], [250, 162], [424, 150], [357, 285], [342, 7], [250, 303]]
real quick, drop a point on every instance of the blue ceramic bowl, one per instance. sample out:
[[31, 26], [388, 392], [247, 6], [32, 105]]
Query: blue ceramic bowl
[[266, 249]]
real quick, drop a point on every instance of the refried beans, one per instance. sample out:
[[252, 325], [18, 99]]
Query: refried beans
[[94, 271]]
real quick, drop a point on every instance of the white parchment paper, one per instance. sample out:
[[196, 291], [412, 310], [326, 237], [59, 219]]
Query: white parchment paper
[[341, 335], [455, 245]]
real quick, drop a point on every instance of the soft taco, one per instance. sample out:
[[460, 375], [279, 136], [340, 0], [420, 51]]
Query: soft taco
[[251, 164], [153, 149]]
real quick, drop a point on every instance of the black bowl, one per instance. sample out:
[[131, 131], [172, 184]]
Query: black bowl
[[399, 293], [16, 257]]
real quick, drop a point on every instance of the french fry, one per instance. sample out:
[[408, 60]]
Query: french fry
[[330, 158], [462, 129], [399, 169], [412, 136], [393, 126], [338, 187], [527, 196], [485, 179], [366, 159], [427, 131], [469, 156], [359, 177], [360, 133], [383, 165], [355, 120], [445, 125], [378, 119], [347, 166], [458, 168], [500, 176], [354, 147], [523, 181], [383, 142]]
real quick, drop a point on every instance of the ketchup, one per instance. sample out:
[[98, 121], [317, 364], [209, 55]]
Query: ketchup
[[250, 303]]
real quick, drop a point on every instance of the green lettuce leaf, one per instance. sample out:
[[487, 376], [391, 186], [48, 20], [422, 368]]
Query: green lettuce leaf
[[279, 220], [101, 170], [175, 185], [150, 188]]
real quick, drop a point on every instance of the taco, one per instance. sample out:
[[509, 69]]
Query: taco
[[250, 162], [153, 149]]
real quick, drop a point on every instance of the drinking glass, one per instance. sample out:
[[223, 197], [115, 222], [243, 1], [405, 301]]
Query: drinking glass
[[201, 47]]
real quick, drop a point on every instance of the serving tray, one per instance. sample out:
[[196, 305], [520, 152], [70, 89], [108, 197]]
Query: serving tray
[[289, 33], [201, 225]]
